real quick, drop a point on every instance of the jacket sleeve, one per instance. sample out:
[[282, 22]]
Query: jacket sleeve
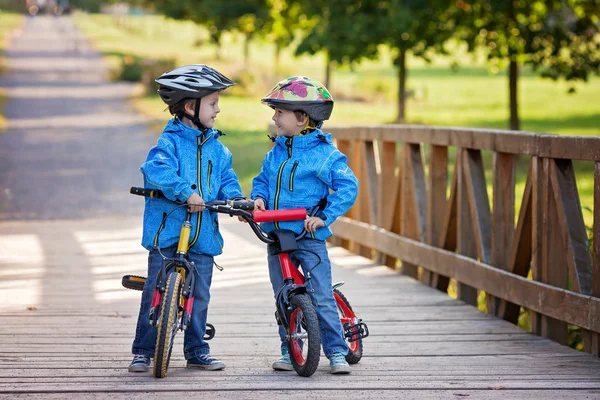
[[161, 170], [341, 180], [260, 184], [230, 184]]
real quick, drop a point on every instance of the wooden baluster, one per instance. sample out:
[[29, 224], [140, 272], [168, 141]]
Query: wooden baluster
[[595, 347], [414, 215], [503, 219], [436, 201], [465, 233], [554, 261]]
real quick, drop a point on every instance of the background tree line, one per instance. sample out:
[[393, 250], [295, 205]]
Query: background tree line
[[559, 39]]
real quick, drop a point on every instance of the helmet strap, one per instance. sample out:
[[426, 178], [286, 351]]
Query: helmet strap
[[196, 117], [308, 128]]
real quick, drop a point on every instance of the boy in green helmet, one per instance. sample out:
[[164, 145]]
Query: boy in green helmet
[[303, 168]]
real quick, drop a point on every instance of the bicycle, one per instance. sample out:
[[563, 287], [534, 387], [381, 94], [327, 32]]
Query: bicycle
[[294, 308], [173, 296]]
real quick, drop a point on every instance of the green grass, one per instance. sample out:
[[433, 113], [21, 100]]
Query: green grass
[[8, 22]]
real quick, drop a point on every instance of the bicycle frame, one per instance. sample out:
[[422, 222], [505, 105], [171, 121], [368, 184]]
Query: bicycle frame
[[183, 266]]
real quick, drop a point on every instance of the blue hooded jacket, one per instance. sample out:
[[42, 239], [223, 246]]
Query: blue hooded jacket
[[298, 172], [185, 161]]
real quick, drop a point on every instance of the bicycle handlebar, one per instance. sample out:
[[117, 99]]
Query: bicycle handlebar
[[241, 208]]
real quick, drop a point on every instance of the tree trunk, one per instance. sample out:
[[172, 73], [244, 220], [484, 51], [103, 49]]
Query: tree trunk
[[247, 50], [277, 58], [513, 78], [328, 72], [401, 63], [513, 72]]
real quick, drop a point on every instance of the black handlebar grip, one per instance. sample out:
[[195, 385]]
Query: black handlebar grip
[[245, 205], [153, 193]]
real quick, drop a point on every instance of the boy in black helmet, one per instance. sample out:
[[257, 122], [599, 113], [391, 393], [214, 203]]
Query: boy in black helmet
[[188, 164]]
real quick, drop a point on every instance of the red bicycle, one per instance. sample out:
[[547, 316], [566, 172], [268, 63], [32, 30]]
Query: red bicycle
[[294, 308]]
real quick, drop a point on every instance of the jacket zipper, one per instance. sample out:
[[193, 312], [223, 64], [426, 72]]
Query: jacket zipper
[[209, 174], [199, 214], [288, 143], [292, 175]]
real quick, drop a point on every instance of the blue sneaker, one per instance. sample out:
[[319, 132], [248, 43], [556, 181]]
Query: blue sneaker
[[140, 363], [205, 361], [338, 364], [284, 363]]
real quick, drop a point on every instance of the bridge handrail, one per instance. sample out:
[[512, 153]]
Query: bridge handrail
[[410, 212]]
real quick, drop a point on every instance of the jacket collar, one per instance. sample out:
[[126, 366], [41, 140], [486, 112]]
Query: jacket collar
[[179, 128], [305, 141]]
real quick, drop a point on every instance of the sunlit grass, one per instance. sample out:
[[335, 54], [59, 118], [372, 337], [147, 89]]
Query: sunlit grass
[[8, 22]]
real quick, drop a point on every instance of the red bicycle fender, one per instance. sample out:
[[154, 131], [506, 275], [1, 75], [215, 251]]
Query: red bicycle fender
[[293, 214]]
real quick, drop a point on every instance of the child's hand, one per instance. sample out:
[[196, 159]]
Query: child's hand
[[312, 223], [196, 203], [259, 204]]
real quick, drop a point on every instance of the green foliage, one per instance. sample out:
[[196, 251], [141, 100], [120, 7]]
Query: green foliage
[[558, 38]]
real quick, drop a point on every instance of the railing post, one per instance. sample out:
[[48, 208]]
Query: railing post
[[595, 347], [554, 263], [503, 225], [465, 236], [436, 201]]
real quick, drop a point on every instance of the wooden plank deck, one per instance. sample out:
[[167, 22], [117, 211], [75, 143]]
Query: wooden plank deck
[[66, 327]]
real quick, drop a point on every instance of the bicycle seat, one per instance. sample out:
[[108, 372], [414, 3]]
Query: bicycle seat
[[285, 241]]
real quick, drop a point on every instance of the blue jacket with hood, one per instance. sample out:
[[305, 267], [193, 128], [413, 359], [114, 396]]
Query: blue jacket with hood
[[298, 172], [185, 161]]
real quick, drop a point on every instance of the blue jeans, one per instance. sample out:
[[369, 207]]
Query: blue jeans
[[320, 290], [193, 341]]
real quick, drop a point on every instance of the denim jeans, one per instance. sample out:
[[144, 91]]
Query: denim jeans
[[320, 290], [193, 342]]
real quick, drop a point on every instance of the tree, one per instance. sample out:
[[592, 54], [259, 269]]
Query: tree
[[345, 30], [285, 18], [246, 16], [558, 38], [418, 28]]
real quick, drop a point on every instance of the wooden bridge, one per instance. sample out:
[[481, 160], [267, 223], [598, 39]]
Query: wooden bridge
[[423, 227]]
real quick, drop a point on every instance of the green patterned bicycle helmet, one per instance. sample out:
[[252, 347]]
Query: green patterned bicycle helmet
[[300, 93]]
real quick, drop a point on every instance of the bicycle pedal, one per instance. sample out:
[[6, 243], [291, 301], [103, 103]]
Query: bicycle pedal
[[210, 332], [356, 332], [133, 282]]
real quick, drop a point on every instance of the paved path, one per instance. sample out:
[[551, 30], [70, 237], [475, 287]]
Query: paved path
[[73, 145], [70, 232]]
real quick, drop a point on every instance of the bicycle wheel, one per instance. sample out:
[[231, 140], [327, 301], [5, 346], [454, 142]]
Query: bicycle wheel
[[304, 343], [167, 325], [355, 347]]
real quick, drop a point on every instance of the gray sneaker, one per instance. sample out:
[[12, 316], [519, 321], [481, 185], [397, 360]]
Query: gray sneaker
[[140, 363], [205, 361], [284, 363], [338, 364]]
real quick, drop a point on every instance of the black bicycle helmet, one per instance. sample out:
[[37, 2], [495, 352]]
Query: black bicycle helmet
[[300, 93], [192, 81]]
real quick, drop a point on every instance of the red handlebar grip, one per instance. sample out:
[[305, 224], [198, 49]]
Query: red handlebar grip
[[293, 214]]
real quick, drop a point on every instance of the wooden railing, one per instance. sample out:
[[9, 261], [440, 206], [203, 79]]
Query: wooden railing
[[410, 213]]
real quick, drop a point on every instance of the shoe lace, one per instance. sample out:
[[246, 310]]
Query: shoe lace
[[206, 358], [139, 358], [338, 358]]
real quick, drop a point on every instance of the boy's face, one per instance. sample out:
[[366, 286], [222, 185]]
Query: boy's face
[[286, 122], [209, 108]]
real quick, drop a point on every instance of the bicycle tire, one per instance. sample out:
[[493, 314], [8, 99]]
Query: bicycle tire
[[167, 325], [303, 320], [355, 348]]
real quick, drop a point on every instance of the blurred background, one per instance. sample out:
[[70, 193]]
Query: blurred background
[[526, 65]]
